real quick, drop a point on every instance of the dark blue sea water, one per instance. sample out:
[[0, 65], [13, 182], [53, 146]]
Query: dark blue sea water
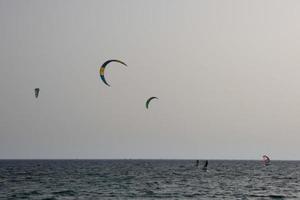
[[148, 179]]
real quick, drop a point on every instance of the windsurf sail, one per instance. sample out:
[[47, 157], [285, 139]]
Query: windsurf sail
[[266, 160]]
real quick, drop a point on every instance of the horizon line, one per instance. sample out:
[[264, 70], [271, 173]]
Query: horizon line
[[187, 159]]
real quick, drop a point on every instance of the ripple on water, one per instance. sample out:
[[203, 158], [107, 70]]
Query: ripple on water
[[65, 193], [153, 179]]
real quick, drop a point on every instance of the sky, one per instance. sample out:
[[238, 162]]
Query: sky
[[226, 74]]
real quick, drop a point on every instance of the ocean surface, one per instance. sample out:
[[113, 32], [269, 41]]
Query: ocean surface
[[148, 179]]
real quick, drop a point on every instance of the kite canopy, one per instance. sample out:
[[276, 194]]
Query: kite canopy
[[149, 100], [36, 92], [102, 69]]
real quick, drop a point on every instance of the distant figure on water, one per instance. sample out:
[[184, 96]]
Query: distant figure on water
[[197, 163], [266, 160], [205, 166]]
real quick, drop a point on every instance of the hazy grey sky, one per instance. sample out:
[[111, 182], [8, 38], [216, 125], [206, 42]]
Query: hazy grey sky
[[227, 74]]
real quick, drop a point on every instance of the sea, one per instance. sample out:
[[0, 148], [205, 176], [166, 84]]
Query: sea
[[148, 179]]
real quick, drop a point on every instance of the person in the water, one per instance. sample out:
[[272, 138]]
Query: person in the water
[[205, 165], [197, 163]]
